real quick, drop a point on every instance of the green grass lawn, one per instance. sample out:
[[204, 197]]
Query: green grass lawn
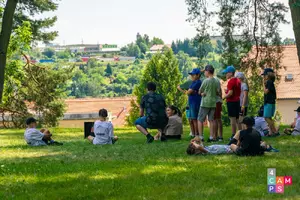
[[132, 169]]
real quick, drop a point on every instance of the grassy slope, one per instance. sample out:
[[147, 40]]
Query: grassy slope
[[132, 169]]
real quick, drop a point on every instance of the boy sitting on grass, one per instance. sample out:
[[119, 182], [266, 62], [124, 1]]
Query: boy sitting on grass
[[35, 137], [248, 142], [295, 126], [104, 130]]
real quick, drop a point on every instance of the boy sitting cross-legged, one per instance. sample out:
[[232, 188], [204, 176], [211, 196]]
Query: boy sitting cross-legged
[[104, 130], [34, 137]]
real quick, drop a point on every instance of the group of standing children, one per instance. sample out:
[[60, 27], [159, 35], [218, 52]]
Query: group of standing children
[[205, 101]]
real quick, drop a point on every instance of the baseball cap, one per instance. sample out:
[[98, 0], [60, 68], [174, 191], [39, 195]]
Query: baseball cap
[[210, 69], [195, 71], [266, 71], [240, 75], [229, 69], [249, 121], [298, 109], [30, 120]]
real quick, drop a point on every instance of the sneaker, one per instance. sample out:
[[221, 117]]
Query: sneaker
[[192, 136], [150, 139], [275, 135], [210, 140], [220, 139], [163, 138], [54, 143]]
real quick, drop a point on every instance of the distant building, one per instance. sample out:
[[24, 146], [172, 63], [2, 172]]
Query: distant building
[[86, 48], [158, 48]]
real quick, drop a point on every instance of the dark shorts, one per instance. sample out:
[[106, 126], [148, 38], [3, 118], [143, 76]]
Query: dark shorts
[[233, 109], [218, 112], [142, 121], [245, 111]]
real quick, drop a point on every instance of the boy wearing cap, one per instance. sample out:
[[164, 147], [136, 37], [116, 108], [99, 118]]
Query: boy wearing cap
[[248, 140], [183, 88], [244, 97], [295, 130], [34, 137], [194, 99], [270, 100], [209, 92], [232, 97]]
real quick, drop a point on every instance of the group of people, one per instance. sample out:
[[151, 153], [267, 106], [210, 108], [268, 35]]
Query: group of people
[[204, 104]]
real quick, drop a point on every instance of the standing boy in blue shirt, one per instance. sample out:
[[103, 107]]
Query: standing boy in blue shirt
[[194, 99]]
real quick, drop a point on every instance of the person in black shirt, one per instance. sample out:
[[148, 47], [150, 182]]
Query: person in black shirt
[[248, 140], [155, 118], [270, 100]]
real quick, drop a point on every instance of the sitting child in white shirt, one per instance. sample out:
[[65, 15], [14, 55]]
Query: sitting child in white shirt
[[34, 137], [295, 127], [104, 130]]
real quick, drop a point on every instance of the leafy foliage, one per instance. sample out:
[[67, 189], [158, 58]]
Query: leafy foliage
[[163, 69], [251, 36], [31, 89]]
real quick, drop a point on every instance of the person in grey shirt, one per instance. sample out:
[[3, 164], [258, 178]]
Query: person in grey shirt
[[244, 98], [104, 130]]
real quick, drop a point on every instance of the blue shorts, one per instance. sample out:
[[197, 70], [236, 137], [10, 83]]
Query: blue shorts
[[193, 111], [142, 121], [269, 110], [187, 113]]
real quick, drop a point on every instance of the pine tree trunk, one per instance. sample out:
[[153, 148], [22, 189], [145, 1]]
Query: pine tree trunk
[[295, 11], [6, 30]]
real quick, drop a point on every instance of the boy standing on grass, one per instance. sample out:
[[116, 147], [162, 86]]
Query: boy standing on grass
[[270, 100], [218, 124], [232, 97], [194, 99], [104, 130], [183, 88], [34, 137], [209, 92]]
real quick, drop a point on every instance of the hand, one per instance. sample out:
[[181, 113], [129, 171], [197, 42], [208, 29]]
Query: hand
[[243, 109], [203, 94]]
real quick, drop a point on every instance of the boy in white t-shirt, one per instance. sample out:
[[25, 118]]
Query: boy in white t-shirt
[[34, 137], [260, 123], [104, 130], [295, 127]]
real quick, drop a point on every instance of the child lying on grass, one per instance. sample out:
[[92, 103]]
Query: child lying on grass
[[104, 130], [196, 147], [35, 137], [247, 142]]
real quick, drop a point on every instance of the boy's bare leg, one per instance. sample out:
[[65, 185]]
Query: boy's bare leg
[[195, 124], [271, 125], [233, 122], [220, 127], [90, 138], [142, 130], [192, 127], [233, 147], [239, 124], [212, 129], [200, 129]]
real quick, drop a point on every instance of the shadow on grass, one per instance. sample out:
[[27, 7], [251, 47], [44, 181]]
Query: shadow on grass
[[151, 179]]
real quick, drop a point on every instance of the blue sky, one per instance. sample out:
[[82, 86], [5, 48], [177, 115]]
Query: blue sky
[[118, 21]]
